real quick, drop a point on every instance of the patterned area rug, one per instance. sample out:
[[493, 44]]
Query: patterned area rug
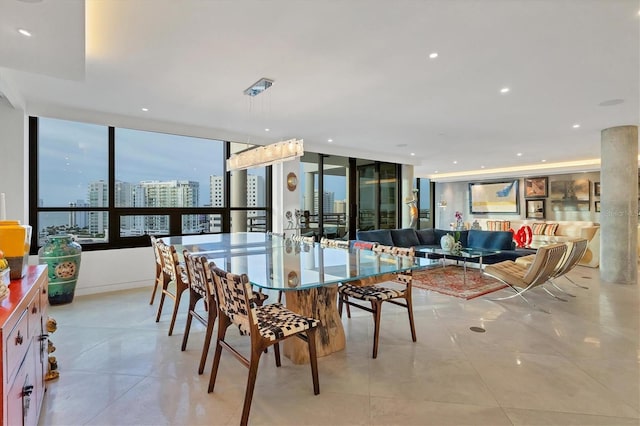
[[449, 280]]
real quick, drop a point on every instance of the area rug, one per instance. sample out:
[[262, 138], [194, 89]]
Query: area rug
[[450, 281]]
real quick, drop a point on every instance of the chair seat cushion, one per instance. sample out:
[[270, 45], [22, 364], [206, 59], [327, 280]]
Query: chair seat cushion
[[276, 322], [508, 271], [370, 293]]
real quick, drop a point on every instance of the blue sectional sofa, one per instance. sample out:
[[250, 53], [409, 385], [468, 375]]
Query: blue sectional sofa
[[409, 237]]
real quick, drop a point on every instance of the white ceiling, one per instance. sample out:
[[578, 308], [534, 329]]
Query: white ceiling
[[357, 72]]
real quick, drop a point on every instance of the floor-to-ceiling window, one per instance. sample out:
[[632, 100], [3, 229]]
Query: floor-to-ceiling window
[[425, 202], [110, 187], [378, 195], [335, 190]]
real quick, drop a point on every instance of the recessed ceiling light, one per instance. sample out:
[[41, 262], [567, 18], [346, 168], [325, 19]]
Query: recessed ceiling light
[[433, 55], [543, 161], [24, 32], [266, 130], [145, 109], [482, 167], [329, 140], [455, 161], [504, 90], [412, 154], [575, 126], [436, 171], [519, 154]]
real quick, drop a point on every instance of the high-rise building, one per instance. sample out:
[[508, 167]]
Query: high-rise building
[[327, 202], [172, 193], [98, 197], [255, 196]]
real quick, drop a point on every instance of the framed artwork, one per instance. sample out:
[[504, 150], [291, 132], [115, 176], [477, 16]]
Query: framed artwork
[[570, 190], [494, 197], [596, 189], [535, 209], [536, 187], [570, 195], [597, 206]]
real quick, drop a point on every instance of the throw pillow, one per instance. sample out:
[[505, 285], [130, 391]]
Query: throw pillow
[[538, 228], [550, 229]]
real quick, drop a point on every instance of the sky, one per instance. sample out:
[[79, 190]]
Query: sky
[[73, 154]]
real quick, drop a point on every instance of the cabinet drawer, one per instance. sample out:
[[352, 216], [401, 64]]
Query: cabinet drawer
[[16, 345]]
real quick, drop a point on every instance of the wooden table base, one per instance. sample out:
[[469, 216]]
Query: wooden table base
[[319, 303]]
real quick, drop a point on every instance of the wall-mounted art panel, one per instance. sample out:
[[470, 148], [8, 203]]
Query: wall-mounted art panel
[[570, 195], [494, 197]]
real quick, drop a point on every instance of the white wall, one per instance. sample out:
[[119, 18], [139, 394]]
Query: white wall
[[14, 174], [456, 194]]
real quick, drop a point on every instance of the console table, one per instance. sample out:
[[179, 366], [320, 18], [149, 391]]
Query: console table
[[23, 317]]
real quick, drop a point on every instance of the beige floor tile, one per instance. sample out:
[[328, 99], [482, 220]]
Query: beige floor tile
[[538, 417], [577, 365]]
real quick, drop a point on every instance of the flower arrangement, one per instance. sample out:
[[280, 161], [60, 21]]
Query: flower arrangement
[[458, 216]]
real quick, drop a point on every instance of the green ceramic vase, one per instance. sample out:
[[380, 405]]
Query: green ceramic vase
[[62, 256]]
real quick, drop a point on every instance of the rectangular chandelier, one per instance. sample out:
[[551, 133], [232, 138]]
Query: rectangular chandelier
[[266, 155], [258, 87]]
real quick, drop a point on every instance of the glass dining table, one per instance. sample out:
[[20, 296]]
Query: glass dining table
[[308, 274]]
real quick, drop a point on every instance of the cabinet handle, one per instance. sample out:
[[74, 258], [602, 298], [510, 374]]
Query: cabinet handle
[[19, 338], [34, 310], [43, 337], [26, 399], [44, 290], [26, 391]]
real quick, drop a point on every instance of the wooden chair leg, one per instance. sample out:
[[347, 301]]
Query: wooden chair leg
[[159, 280], [223, 323], [276, 352], [251, 384], [162, 297], [376, 307], [175, 310], [193, 300], [313, 359], [411, 322], [211, 320]]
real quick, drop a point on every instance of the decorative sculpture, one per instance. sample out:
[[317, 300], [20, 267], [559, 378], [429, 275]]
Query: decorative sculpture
[[413, 208]]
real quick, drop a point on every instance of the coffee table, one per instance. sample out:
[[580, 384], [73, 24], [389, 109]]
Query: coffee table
[[464, 255]]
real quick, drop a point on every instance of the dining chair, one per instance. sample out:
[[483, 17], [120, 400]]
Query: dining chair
[[201, 287], [364, 245], [384, 291], [175, 273], [521, 278], [328, 242], [266, 326], [160, 275]]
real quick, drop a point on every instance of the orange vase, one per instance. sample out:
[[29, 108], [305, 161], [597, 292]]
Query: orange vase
[[15, 241]]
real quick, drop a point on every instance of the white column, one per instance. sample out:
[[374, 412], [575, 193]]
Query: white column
[[239, 199], [285, 200], [14, 176], [619, 205]]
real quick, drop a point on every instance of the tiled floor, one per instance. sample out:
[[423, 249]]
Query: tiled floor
[[578, 365]]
